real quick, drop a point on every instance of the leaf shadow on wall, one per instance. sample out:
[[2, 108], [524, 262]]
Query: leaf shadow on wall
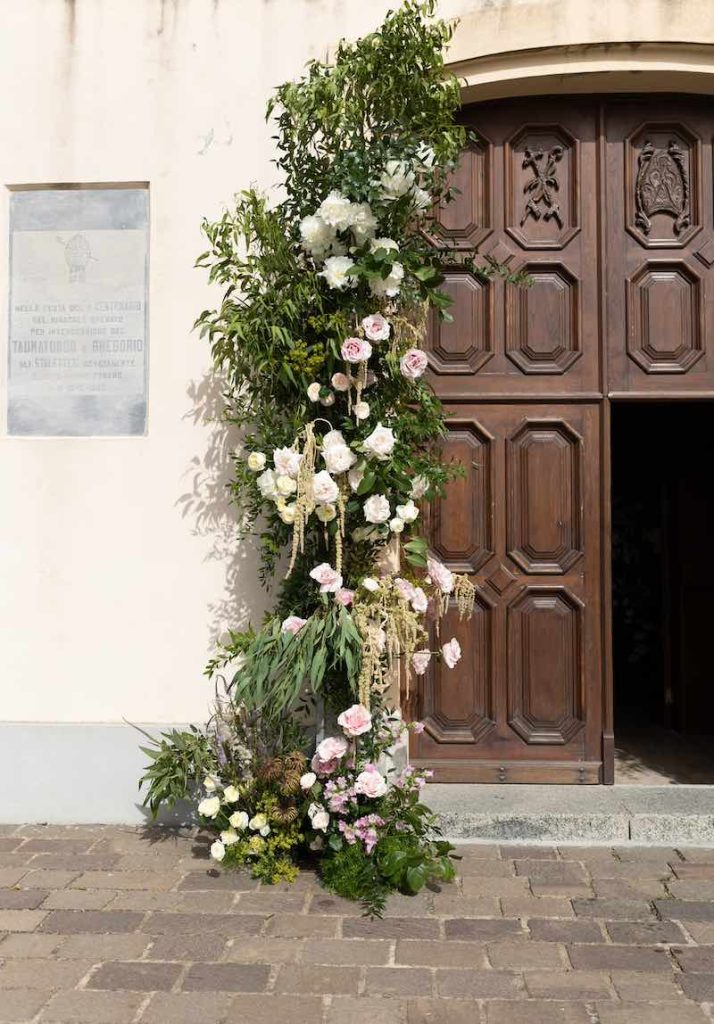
[[207, 503]]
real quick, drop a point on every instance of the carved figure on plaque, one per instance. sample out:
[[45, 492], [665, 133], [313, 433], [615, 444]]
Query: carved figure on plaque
[[662, 186], [543, 185]]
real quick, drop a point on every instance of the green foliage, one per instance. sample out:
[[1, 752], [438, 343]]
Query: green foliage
[[351, 873], [179, 761], [277, 664]]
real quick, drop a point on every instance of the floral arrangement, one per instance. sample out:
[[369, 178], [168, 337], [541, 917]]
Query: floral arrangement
[[319, 336]]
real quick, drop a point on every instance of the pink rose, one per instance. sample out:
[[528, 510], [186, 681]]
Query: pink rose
[[356, 350], [332, 748], [376, 327], [419, 600], [355, 720], [420, 661], [293, 624], [417, 728], [451, 652], [345, 597], [340, 382], [413, 363], [441, 576], [404, 588], [329, 580], [323, 767], [370, 783]]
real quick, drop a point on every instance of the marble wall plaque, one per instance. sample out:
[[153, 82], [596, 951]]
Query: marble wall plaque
[[78, 311]]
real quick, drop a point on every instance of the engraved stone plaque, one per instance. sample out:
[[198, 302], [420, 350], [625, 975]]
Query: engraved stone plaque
[[78, 337]]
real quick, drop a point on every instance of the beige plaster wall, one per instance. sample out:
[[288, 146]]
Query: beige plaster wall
[[118, 562]]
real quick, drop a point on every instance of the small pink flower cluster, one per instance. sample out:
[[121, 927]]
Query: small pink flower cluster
[[411, 778], [340, 795], [364, 830]]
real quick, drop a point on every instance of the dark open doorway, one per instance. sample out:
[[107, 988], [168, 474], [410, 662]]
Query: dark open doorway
[[663, 591]]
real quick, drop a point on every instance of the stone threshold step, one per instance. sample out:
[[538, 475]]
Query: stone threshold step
[[667, 815]]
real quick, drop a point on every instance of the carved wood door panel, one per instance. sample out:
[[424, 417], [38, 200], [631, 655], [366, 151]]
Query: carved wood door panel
[[660, 247], [527, 199], [524, 704]]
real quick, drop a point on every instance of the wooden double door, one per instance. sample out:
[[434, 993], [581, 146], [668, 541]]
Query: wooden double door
[[607, 204]]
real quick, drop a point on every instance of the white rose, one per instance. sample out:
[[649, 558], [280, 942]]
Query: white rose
[[421, 200], [210, 807], [210, 784], [420, 661], [324, 488], [383, 243], [258, 822], [380, 442], [451, 652], [239, 820], [286, 485], [361, 410], [420, 485], [287, 461], [218, 850], [313, 391], [408, 512], [256, 461], [308, 780], [320, 821], [328, 399], [317, 236], [370, 583], [231, 795], [376, 509], [267, 485], [355, 478], [396, 525], [364, 223], [339, 458], [419, 601], [332, 439], [336, 211], [337, 273], [396, 179], [326, 513], [287, 514], [229, 837], [388, 285]]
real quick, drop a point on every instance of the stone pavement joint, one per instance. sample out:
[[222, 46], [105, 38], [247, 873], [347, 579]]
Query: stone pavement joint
[[111, 925]]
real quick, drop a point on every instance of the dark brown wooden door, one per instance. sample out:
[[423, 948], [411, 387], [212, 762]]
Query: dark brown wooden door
[[525, 525], [607, 204], [660, 247]]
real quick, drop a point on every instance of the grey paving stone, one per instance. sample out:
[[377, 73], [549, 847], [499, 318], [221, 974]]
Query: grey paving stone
[[135, 976], [87, 1007], [22, 1004], [480, 929], [685, 910], [642, 933], [466, 984], [42, 974], [317, 980], [614, 910], [226, 978], [69, 922], [188, 1008], [22, 899], [274, 1009]]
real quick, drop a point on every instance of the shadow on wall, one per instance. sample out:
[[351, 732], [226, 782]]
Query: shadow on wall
[[208, 504]]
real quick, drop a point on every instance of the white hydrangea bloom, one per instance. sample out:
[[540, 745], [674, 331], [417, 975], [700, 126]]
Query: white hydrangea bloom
[[336, 211]]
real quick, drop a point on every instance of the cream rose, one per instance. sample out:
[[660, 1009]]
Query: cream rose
[[380, 442], [218, 850], [256, 461], [231, 795], [396, 525], [239, 820], [267, 485], [396, 179], [408, 512], [361, 410], [229, 837], [286, 485], [419, 601], [340, 382], [287, 461], [326, 513], [324, 488], [339, 458], [313, 391], [308, 780], [376, 509], [420, 485], [210, 807]]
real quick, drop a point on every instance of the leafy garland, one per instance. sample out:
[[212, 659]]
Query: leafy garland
[[327, 299]]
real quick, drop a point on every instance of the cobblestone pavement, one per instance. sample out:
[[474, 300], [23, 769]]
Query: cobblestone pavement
[[117, 925]]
